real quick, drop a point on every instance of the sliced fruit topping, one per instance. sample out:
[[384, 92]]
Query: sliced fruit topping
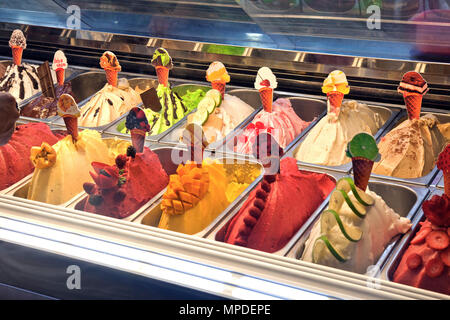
[[421, 235], [434, 267], [356, 207], [207, 104], [363, 145], [413, 261], [322, 246], [200, 117], [215, 95], [445, 256], [185, 189], [336, 200], [348, 184], [437, 240], [330, 218]]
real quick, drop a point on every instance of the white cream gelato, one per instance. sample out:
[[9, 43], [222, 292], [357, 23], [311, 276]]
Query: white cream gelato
[[379, 226], [327, 141]]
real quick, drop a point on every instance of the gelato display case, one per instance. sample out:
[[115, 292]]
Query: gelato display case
[[98, 197]]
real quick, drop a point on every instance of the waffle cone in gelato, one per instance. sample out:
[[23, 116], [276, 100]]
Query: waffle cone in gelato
[[220, 86], [335, 99], [447, 183], [72, 126], [163, 75], [266, 95], [413, 102], [60, 73], [362, 168], [17, 55], [138, 139], [111, 76]]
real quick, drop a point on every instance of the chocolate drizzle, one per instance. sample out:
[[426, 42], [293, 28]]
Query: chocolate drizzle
[[166, 115]]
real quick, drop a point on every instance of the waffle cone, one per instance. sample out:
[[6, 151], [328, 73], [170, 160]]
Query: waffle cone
[[219, 85], [266, 95], [362, 168], [163, 75], [72, 126], [138, 139], [335, 101], [447, 183], [413, 102], [111, 76], [60, 73], [17, 55]]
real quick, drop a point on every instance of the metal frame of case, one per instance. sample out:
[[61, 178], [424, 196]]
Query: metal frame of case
[[198, 263]]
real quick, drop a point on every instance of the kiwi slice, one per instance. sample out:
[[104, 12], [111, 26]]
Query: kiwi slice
[[321, 246], [330, 218]]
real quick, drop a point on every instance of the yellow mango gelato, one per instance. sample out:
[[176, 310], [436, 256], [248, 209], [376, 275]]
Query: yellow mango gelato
[[197, 195], [59, 180]]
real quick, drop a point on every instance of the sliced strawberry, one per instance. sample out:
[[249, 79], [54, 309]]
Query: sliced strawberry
[[445, 256], [434, 268], [421, 235], [413, 261], [437, 240], [448, 231]]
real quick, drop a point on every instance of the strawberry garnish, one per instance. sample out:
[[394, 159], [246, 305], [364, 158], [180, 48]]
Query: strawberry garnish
[[437, 210], [265, 83]]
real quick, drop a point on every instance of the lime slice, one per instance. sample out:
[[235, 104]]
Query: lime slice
[[215, 95], [363, 145], [200, 117], [336, 201], [330, 218], [322, 246], [356, 207], [348, 184], [207, 104]]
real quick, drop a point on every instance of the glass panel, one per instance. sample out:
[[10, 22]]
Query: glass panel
[[397, 29]]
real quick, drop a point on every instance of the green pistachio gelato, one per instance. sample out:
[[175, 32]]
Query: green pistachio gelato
[[174, 108]]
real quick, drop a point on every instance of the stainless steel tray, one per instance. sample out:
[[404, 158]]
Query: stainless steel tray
[[405, 200], [181, 89], [249, 96], [235, 209], [306, 108], [428, 178], [394, 260], [152, 213]]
